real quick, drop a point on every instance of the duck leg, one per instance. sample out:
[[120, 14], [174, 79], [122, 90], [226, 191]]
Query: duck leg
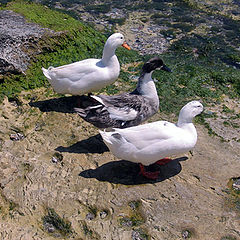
[[150, 175], [153, 175]]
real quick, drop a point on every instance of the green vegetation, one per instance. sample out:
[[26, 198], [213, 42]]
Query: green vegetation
[[228, 237], [101, 8], [186, 234], [135, 217], [140, 234], [132, 221], [45, 17], [76, 42], [57, 223], [205, 66], [233, 198], [27, 167], [114, 21], [194, 79], [88, 232]]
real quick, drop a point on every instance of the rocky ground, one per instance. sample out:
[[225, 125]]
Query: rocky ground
[[58, 180], [19, 40]]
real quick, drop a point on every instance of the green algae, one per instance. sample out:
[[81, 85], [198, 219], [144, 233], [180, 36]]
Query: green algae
[[58, 224], [44, 16], [186, 233], [228, 237], [232, 201], [88, 232], [135, 217], [141, 234], [75, 41], [204, 66]]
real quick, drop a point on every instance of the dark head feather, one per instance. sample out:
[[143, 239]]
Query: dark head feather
[[154, 63]]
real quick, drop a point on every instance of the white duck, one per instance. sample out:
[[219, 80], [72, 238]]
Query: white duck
[[90, 74], [147, 143]]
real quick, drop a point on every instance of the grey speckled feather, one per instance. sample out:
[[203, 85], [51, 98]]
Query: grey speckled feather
[[127, 109]]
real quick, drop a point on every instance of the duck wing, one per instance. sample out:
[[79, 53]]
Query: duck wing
[[119, 111], [151, 133], [126, 107], [74, 71], [145, 143]]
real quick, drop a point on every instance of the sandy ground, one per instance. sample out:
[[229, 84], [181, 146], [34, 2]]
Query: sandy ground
[[61, 163]]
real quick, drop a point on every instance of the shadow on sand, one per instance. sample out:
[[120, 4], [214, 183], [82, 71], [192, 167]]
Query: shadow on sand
[[127, 173], [62, 104], [93, 144]]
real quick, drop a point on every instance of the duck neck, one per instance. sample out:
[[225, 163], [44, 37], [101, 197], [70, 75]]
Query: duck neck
[[146, 87], [109, 54], [183, 118], [185, 122]]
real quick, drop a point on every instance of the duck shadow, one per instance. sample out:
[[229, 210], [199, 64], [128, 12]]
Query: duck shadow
[[62, 104], [93, 144], [127, 173]]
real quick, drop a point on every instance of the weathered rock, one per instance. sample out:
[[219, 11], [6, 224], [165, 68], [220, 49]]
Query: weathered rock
[[16, 136], [19, 40]]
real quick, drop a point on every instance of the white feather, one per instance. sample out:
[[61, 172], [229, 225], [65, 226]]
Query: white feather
[[151, 142], [87, 75], [122, 114]]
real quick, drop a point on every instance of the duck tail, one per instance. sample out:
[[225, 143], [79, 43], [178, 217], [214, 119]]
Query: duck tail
[[97, 98], [112, 138], [105, 135], [46, 72], [81, 112]]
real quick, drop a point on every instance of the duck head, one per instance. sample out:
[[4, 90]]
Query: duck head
[[153, 64], [189, 111], [116, 40]]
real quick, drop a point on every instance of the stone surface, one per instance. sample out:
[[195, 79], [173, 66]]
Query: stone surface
[[191, 193], [19, 40], [62, 164]]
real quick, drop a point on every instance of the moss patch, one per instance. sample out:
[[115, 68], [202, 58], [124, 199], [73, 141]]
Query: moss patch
[[88, 232], [135, 216], [54, 224], [233, 199]]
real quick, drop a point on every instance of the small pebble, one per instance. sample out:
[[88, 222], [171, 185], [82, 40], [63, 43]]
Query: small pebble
[[90, 216], [186, 234], [209, 112], [54, 160], [236, 184], [49, 227], [37, 127], [103, 214], [134, 205], [138, 235], [126, 222], [57, 157], [16, 136]]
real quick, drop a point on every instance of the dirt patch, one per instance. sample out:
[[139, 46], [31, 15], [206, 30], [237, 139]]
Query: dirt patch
[[92, 192]]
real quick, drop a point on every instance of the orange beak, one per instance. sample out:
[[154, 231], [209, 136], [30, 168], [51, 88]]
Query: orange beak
[[126, 46]]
